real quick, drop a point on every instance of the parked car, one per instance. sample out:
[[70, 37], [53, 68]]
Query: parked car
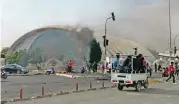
[[15, 68]]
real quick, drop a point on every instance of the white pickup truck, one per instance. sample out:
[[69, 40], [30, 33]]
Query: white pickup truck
[[136, 80]]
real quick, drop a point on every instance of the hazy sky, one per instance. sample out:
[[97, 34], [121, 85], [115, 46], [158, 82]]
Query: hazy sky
[[144, 21]]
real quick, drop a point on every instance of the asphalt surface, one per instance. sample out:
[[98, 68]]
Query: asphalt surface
[[32, 85], [158, 94]]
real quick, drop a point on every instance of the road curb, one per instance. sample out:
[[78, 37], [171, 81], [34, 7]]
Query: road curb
[[104, 87], [25, 74], [159, 80], [78, 91], [18, 99], [19, 75], [93, 89], [154, 81]]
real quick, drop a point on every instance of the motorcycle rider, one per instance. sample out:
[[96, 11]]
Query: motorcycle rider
[[53, 70], [3, 74]]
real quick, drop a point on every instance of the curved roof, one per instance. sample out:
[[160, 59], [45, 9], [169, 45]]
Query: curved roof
[[25, 41], [116, 43]]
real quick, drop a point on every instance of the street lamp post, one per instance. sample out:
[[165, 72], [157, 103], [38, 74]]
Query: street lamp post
[[170, 30], [105, 40], [105, 36], [175, 44]]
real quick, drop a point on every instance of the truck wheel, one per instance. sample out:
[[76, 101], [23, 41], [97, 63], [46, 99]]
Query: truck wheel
[[138, 86], [146, 84], [120, 87]]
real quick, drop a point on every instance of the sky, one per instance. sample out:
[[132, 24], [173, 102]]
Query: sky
[[143, 21]]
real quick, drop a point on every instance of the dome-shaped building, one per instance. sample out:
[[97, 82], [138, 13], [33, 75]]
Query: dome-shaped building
[[66, 43], [59, 43]]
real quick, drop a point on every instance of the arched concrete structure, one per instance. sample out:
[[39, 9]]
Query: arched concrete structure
[[80, 36], [56, 60]]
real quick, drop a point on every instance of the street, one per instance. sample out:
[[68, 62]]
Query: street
[[32, 85], [161, 94]]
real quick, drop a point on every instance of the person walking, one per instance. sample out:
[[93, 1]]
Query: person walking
[[176, 69], [155, 68], [69, 64], [109, 67], [102, 66], [159, 68], [171, 72], [149, 69], [144, 65]]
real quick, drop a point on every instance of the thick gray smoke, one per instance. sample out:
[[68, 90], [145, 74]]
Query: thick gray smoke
[[145, 22]]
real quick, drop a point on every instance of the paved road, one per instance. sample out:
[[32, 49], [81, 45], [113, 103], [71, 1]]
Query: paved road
[[32, 85], [159, 94]]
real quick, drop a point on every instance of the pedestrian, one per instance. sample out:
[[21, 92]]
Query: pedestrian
[[144, 65], [83, 70], [155, 67], [102, 66], [176, 68], [149, 69], [159, 68], [69, 64], [109, 67], [171, 72], [53, 70]]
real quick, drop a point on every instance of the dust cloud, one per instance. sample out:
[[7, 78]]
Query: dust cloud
[[145, 24]]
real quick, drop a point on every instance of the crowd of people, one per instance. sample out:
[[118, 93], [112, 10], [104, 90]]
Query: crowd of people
[[88, 67], [131, 64], [136, 64]]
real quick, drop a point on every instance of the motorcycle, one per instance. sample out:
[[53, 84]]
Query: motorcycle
[[4, 75]]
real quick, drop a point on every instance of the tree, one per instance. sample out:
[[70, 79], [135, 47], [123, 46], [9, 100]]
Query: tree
[[3, 55], [14, 57], [95, 52], [4, 51]]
